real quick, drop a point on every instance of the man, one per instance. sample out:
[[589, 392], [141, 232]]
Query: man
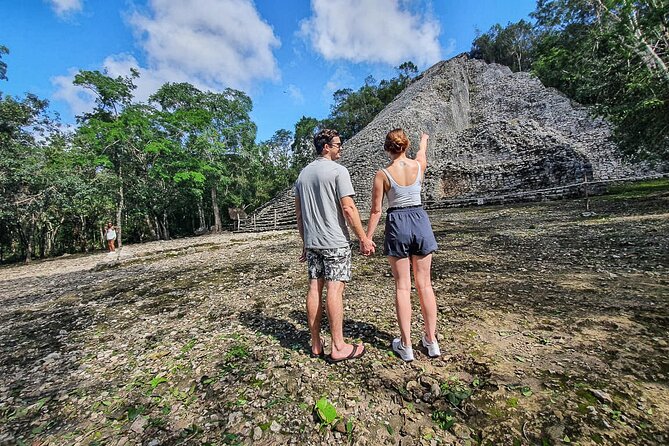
[[324, 204]]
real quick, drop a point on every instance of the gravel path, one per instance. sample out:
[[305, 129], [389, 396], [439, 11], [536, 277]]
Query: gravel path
[[553, 327]]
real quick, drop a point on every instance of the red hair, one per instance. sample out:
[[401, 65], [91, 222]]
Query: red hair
[[396, 141]]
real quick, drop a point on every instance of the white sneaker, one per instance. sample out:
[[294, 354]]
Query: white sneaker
[[432, 347], [406, 353]]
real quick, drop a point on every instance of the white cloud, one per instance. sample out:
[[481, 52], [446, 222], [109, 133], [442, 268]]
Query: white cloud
[[65, 7], [295, 93], [371, 31], [79, 99], [341, 78], [218, 43], [212, 44]]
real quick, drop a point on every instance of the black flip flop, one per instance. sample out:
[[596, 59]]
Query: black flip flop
[[352, 355]]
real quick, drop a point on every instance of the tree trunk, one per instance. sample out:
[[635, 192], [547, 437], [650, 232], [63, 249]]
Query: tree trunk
[[119, 211], [166, 231], [28, 239], [44, 238], [217, 213], [157, 226], [200, 213], [152, 229], [83, 242], [640, 44]]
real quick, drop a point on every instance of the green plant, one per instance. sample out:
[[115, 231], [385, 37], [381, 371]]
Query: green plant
[[237, 351], [443, 418], [455, 391], [326, 412]]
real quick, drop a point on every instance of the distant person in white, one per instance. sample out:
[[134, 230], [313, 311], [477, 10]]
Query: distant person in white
[[324, 204], [110, 235]]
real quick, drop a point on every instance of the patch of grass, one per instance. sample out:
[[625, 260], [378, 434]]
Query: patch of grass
[[638, 189], [237, 351], [189, 346], [496, 413], [587, 396]]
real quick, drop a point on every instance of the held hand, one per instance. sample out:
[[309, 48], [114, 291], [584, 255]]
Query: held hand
[[367, 247], [303, 256]]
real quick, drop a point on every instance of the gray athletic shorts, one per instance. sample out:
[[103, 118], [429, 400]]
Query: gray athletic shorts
[[332, 264], [408, 233]]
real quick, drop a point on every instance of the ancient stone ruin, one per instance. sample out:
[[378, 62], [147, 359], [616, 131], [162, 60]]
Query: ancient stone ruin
[[493, 133]]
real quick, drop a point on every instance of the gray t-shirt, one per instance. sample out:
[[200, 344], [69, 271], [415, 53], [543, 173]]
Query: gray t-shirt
[[319, 187]]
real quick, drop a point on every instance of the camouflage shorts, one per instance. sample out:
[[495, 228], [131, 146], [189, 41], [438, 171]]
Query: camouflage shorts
[[331, 264]]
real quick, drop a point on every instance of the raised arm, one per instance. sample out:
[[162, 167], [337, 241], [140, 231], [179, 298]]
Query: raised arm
[[421, 156], [377, 202]]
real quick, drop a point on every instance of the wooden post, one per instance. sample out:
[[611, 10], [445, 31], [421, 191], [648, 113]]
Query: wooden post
[[274, 218], [587, 197], [254, 223]]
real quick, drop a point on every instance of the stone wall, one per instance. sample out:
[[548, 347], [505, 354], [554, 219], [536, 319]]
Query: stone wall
[[492, 132]]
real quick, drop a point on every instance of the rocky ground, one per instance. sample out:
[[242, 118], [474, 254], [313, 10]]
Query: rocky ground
[[553, 325]]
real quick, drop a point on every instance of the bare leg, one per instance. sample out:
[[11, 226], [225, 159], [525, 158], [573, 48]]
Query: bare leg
[[335, 308], [402, 274], [428, 304], [315, 313]]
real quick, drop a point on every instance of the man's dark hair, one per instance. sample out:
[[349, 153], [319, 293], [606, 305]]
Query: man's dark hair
[[324, 137]]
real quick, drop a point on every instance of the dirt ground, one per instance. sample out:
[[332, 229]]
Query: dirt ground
[[553, 324]]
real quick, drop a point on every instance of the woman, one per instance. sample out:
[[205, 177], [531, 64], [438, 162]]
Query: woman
[[110, 233], [409, 240]]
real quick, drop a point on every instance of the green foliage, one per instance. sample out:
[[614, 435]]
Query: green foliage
[[164, 168], [353, 110], [512, 45], [303, 146], [3, 65], [326, 412], [456, 391], [237, 351], [612, 55], [445, 419]]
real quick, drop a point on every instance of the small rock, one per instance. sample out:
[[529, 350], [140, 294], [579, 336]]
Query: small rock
[[138, 425], [436, 390], [257, 433], [461, 431], [601, 396], [427, 381], [234, 418], [407, 441], [51, 357], [340, 426], [412, 385], [428, 397], [275, 427]]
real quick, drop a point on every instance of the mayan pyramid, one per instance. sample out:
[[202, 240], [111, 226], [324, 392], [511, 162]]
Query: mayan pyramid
[[492, 132]]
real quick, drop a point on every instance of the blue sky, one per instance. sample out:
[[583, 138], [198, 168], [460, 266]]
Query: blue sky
[[289, 56]]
